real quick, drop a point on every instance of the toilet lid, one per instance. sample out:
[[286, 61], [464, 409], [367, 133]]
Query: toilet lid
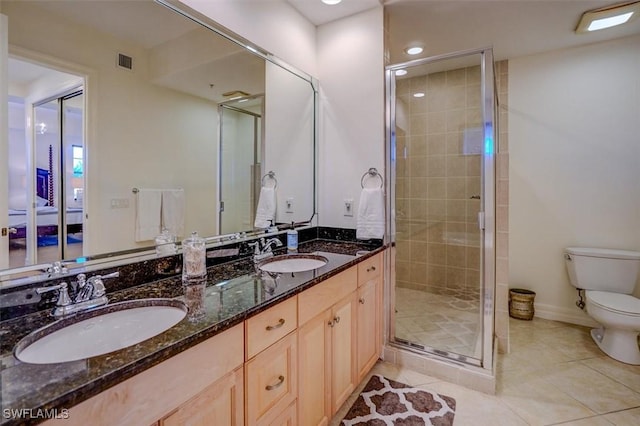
[[615, 302]]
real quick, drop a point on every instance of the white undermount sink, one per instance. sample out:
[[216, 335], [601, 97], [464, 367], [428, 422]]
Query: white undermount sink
[[100, 331], [292, 263]]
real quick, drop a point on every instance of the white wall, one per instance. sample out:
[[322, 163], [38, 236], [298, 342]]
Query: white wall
[[273, 25], [351, 124], [351, 73], [288, 148], [574, 141]]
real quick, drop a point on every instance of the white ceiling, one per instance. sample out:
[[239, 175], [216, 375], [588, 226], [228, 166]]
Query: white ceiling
[[319, 13], [512, 27]]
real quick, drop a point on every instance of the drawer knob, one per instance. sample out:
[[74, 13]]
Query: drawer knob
[[336, 319], [361, 300], [277, 385], [278, 325], [373, 268], [331, 323]]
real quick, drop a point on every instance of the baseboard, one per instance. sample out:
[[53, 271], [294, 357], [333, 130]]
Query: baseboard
[[568, 315]]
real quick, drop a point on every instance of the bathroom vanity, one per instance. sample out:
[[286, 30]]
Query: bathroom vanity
[[254, 349]]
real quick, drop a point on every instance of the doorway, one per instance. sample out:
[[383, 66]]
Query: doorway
[[241, 151], [46, 167]]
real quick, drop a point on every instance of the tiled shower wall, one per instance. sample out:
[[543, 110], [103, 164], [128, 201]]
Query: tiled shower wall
[[437, 176], [502, 209], [436, 229]]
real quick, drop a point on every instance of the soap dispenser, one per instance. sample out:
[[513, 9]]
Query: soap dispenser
[[292, 239]]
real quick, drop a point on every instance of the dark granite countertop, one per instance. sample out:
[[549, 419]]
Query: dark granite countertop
[[233, 292]]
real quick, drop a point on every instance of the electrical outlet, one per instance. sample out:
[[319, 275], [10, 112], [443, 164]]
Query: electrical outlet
[[348, 207], [119, 203], [289, 205]]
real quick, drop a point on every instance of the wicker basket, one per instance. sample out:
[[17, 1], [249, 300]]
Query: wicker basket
[[521, 303]]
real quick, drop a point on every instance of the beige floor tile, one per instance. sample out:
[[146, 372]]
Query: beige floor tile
[[628, 375], [595, 390], [589, 421], [541, 403], [476, 408], [624, 418]]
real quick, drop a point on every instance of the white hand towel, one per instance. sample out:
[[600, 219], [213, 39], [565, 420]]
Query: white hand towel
[[148, 204], [266, 211], [173, 211], [370, 214]]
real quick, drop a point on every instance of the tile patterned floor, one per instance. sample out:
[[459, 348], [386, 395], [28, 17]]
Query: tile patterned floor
[[554, 375], [443, 321]]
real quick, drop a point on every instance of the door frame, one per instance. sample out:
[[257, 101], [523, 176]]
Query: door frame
[[486, 217]]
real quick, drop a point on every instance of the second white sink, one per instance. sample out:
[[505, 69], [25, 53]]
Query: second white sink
[[101, 331], [293, 263]]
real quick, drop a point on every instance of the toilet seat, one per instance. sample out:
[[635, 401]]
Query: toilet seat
[[615, 302]]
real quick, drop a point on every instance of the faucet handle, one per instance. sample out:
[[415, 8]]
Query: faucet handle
[[82, 280], [98, 285], [63, 294]]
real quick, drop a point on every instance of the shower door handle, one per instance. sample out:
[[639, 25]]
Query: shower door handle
[[481, 220]]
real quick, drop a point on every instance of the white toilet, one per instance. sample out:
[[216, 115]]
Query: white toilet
[[608, 278]]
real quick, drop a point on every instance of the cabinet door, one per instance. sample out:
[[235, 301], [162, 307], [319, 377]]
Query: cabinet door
[[366, 343], [271, 381], [314, 370], [343, 368], [219, 404]]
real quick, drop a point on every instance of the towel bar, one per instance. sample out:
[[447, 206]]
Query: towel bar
[[372, 172], [271, 175]]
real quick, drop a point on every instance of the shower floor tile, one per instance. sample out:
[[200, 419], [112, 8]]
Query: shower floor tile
[[447, 322]]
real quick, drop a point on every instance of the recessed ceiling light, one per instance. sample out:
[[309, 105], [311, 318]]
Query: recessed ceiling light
[[608, 17], [418, 95], [400, 73], [414, 50], [331, 2]]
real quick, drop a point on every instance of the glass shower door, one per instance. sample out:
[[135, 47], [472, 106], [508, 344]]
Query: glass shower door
[[440, 150]]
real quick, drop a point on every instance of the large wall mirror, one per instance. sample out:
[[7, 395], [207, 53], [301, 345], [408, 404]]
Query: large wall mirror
[[126, 117]]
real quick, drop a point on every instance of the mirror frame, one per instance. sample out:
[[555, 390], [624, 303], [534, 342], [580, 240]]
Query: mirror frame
[[13, 277]]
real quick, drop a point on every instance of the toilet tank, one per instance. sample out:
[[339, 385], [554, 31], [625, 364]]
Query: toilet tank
[[603, 269]]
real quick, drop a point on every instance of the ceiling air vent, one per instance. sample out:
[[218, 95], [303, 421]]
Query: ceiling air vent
[[125, 61]]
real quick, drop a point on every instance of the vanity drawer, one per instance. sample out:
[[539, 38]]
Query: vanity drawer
[[269, 326], [271, 381], [369, 269]]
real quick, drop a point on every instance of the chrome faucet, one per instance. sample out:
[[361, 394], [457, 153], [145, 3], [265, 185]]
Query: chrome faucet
[[91, 293], [262, 249]]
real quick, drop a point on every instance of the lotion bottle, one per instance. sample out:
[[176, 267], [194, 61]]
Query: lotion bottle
[[292, 240]]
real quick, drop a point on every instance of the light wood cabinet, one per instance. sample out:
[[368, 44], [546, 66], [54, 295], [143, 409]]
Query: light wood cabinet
[[289, 417], [302, 359], [219, 404], [314, 370], [156, 392], [367, 342], [326, 362], [343, 368], [370, 314], [271, 381]]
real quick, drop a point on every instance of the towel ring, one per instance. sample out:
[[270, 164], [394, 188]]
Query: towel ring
[[271, 175], [372, 172]]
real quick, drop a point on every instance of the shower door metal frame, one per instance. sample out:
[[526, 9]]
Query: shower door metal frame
[[486, 219], [258, 152]]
